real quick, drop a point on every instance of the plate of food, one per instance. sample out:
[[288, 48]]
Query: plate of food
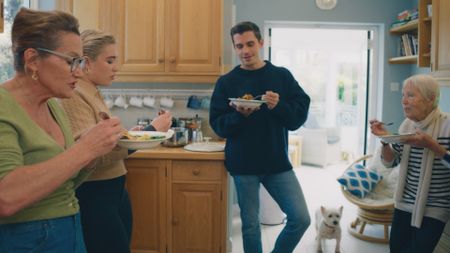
[[247, 101], [395, 138], [138, 140]]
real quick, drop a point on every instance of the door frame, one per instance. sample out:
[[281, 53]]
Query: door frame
[[375, 76]]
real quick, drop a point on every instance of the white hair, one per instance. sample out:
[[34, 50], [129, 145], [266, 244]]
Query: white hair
[[427, 86]]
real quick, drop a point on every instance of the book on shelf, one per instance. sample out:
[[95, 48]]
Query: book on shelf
[[408, 45], [405, 17]]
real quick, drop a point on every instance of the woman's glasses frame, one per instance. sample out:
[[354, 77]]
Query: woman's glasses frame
[[74, 62]]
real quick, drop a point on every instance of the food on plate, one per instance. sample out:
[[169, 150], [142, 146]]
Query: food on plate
[[247, 96], [142, 137]]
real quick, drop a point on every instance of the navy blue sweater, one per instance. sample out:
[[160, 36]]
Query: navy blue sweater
[[258, 144]]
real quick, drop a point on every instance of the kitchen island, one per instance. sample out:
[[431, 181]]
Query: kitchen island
[[179, 200]]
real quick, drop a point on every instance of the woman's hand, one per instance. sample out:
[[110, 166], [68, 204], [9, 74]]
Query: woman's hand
[[377, 128], [163, 122], [103, 137]]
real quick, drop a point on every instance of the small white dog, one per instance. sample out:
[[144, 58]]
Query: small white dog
[[327, 226]]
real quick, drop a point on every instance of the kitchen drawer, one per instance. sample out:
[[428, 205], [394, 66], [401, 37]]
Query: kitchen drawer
[[197, 170]]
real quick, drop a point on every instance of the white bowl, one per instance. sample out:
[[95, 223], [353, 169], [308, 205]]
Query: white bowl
[[145, 144], [246, 103]]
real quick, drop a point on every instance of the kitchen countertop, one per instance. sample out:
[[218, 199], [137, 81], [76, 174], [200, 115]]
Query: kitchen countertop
[[176, 153]]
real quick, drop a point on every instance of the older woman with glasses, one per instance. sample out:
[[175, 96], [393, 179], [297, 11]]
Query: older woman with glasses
[[41, 164], [422, 199]]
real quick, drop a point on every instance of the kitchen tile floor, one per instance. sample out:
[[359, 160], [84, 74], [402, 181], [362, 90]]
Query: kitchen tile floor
[[320, 188]]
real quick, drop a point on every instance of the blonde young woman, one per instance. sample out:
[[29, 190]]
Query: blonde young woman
[[40, 164], [105, 207], [422, 199]]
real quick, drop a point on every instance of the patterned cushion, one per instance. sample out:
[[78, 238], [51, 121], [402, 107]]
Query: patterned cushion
[[359, 180]]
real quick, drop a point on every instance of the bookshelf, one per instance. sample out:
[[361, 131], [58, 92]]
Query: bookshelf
[[414, 39]]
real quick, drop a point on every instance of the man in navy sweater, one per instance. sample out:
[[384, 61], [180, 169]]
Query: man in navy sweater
[[256, 148]]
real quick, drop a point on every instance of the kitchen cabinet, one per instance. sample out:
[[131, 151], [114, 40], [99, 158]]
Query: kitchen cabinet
[[160, 40], [179, 201], [440, 49], [2, 15], [146, 185]]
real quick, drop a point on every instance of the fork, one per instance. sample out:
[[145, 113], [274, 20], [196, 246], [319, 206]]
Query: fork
[[388, 124], [259, 96], [105, 116]]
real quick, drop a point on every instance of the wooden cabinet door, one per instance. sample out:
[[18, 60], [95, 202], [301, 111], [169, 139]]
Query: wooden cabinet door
[[146, 185], [2, 15], [139, 29], [194, 36], [441, 39], [196, 217]]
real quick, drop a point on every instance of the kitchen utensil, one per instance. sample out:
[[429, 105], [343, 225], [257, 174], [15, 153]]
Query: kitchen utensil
[[245, 103], [149, 101], [136, 101], [388, 124], [154, 139], [166, 102], [396, 138], [178, 139], [205, 146], [121, 102]]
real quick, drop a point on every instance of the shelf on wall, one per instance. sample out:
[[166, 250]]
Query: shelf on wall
[[403, 59], [411, 25]]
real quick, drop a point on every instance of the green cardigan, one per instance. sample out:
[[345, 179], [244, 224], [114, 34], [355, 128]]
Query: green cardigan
[[23, 142]]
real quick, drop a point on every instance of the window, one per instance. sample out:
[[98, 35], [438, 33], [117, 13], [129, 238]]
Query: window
[[6, 59]]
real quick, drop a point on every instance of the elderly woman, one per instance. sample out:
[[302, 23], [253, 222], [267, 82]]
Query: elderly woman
[[41, 165], [422, 199], [104, 202]]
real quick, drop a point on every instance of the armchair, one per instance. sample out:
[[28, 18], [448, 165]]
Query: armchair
[[320, 146]]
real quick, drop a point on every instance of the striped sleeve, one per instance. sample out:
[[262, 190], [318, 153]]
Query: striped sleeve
[[446, 160]]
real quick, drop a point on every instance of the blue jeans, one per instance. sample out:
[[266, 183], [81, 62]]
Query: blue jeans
[[59, 235], [286, 191]]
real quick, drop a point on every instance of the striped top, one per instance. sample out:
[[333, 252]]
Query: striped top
[[439, 191]]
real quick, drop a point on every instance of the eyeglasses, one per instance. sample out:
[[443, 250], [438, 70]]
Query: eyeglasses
[[74, 62]]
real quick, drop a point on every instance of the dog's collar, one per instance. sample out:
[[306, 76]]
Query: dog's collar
[[328, 226]]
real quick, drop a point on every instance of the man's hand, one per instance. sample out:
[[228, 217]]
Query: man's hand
[[243, 110], [271, 99]]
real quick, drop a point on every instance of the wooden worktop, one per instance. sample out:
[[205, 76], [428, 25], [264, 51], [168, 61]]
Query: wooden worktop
[[176, 153]]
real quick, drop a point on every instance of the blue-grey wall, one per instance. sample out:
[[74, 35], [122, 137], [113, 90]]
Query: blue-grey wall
[[354, 11]]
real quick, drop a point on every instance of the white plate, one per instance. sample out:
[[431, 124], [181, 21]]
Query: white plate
[[205, 147], [246, 103], [147, 144], [396, 138]]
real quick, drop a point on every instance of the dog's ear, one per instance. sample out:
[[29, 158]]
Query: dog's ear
[[340, 209], [322, 210]]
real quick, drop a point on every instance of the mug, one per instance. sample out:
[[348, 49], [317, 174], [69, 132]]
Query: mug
[[121, 102], [136, 101], [149, 101], [166, 102], [109, 102]]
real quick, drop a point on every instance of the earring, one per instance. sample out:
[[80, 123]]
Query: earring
[[35, 76]]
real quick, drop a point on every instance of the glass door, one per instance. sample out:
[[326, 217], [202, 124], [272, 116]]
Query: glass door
[[332, 65]]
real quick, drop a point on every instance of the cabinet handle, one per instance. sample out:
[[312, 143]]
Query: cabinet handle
[[161, 60], [175, 221], [196, 172], [172, 59]]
